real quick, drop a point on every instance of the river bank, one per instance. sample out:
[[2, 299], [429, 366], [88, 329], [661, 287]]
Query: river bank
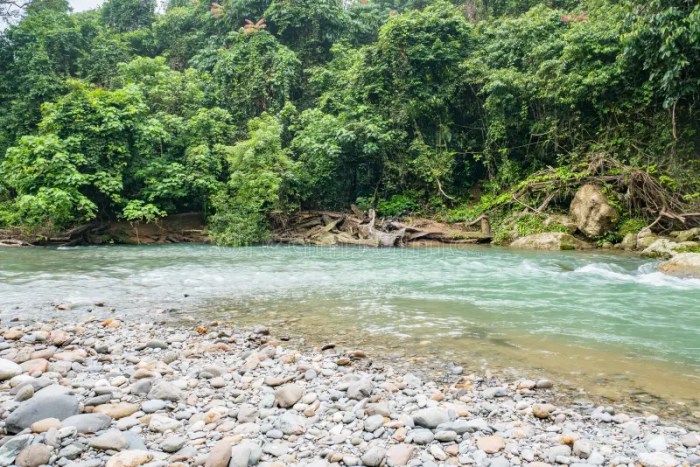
[[201, 394], [589, 320]]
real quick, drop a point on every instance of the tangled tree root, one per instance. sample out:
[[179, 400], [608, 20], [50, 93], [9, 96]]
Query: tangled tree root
[[641, 192], [358, 228]]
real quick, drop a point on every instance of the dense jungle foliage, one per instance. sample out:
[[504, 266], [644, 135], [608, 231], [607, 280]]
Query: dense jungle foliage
[[248, 108]]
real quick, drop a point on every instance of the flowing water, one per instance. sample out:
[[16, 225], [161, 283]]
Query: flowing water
[[608, 323]]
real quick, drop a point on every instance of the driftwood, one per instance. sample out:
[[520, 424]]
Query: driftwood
[[12, 242], [365, 229]]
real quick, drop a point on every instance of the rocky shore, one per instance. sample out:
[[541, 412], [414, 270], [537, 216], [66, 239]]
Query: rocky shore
[[117, 394]]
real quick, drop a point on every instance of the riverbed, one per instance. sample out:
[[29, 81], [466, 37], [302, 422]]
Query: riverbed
[[605, 324]]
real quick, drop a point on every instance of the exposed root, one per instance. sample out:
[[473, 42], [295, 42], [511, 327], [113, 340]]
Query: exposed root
[[365, 229], [641, 192]]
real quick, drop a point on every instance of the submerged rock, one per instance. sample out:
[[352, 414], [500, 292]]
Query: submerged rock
[[682, 265], [550, 241]]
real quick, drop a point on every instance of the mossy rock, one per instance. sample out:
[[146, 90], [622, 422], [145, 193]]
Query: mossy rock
[[552, 241]]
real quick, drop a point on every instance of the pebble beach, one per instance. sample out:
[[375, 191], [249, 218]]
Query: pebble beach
[[107, 392]]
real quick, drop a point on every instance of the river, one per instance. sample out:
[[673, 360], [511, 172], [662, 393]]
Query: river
[[607, 323]]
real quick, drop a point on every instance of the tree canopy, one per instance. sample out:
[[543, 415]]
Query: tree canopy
[[245, 108]]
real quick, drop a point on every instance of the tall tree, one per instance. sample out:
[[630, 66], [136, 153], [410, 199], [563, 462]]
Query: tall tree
[[128, 15]]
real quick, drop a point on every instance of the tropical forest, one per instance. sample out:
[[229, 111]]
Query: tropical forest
[[251, 110]]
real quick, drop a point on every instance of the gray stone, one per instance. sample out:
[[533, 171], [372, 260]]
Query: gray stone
[[657, 443], [422, 436], [378, 408], [39, 407], [490, 393], [153, 405], [657, 459], [142, 386], [499, 462], [212, 371], [289, 394], [558, 451], [631, 429], [135, 441], [446, 436], [290, 423], [276, 449], [583, 448], [8, 369], [247, 413], [165, 391], [245, 454], [430, 417], [112, 440], [374, 456], [88, 422], [71, 451], [24, 393], [11, 449], [172, 443], [161, 423], [373, 423], [690, 440], [156, 344], [98, 400], [360, 389], [665, 248]]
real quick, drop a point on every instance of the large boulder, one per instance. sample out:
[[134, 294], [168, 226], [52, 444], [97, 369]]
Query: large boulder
[[51, 404], [550, 241], [683, 265], [593, 214]]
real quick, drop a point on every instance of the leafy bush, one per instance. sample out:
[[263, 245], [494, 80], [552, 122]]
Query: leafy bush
[[397, 205], [628, 226], [259, 183]]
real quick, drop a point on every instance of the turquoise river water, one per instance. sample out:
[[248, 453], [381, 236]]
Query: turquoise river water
[[608, 323]]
